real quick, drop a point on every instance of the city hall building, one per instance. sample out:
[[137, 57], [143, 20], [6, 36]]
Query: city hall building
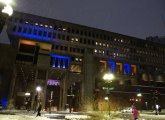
[[68, 61]]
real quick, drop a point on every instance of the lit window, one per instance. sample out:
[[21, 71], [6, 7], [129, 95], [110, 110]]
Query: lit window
[[46, 25], [121, 40], [76, 39], [95, 51], [75, 68], [64, 29], [96, 43], [26, 22], [36, 23], [80, 59], [100, 44], [51, 26], [76, 59], [104, 44], [41, 25], [107, 45]]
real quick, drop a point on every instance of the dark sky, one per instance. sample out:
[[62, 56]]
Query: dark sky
[[138, 18]]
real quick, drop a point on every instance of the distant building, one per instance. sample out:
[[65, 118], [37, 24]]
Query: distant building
[[69, 60], [157, 39]]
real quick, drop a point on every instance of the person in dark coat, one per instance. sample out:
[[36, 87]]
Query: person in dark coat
[[39, 109], [159, 110]]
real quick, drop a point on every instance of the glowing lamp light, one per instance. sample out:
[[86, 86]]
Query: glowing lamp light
[[108, 76], [7, 2], [27, 94], [106, 98], [8, 10], [38, 88]]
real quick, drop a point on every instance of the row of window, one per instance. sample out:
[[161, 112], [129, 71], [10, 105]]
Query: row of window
[[88, 33], [52, 35], [65, 48], [118, 55], [154, 54]]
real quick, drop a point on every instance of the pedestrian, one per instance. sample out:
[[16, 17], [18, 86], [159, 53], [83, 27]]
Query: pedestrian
[[39, 109], [135, 112], [159, 109]]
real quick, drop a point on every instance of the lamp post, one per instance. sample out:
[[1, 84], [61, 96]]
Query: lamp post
[[38, 89], [108, 77], [5, 11]]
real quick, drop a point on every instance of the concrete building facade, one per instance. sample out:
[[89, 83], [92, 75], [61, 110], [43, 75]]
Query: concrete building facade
[[68, 61]]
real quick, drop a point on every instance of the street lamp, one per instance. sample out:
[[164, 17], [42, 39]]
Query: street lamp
[[108, 77], [38, 89], [107, 99], [5, 11]]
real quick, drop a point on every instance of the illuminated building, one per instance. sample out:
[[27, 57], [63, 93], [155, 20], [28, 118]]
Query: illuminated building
[[68, 61]]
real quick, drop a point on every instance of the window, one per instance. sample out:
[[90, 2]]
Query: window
[[59, 61], [57, 47], [89, 42], [19, 29], [127, 69], [84, 41], [63, 37], [14, 28], [75, 68], [34, 31], [49, 34], [24, 30], [61, 47], [67, 38], [45, 34], [54, 35], [40, 33], [59, 36], [30, 31]]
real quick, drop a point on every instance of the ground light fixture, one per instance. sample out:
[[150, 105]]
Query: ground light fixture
[[106, 98], [27, 94], [139, 95]]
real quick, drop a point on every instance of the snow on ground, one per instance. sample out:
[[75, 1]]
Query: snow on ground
[[21, 117]]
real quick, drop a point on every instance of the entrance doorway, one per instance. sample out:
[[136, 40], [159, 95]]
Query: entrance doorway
[[53, 95]]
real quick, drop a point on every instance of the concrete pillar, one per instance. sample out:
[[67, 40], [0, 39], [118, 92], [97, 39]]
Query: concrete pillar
[[45, 89], [13, 81], [88, 85], [64, 92], [34, 90]]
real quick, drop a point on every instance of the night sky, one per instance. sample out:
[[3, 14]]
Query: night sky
[[138, 18]]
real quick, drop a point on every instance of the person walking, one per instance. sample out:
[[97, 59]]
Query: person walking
[[135, 112], [39, 109]]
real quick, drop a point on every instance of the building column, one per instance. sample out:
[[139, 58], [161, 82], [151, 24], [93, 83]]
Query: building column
[[34, 90], [45, 89], [12, 84], [64, 92], [88, 84]]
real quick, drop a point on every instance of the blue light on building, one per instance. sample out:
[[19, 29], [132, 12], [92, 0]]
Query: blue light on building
[[60, 61], [112, 66], [127, 69], [4, 102], [34, 32]]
